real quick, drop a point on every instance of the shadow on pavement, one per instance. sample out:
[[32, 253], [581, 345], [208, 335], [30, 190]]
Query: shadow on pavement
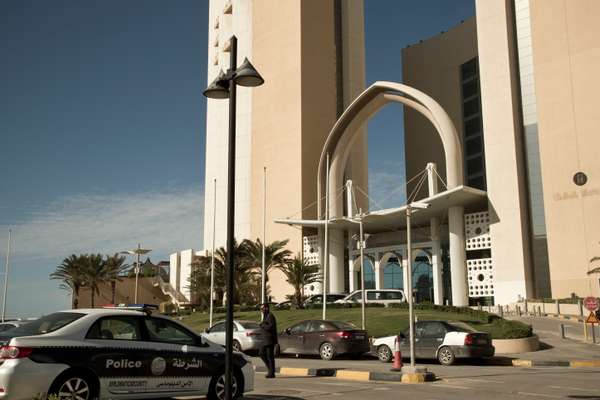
[[271, 397], [576, 396]]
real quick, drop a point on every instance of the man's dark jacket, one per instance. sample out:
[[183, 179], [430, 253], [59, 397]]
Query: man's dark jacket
[[269, 327]]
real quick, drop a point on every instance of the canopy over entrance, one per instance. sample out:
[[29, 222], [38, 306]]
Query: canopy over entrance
[[395, 218]]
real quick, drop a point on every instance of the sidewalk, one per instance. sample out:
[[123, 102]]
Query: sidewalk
[[556, 349]]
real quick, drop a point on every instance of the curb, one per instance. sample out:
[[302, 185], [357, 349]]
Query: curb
[[556, 363], [354, 375]]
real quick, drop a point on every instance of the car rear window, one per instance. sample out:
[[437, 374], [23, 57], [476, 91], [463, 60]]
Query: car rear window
[[343, 325], [250, 325], [461, 327], [46, 324]]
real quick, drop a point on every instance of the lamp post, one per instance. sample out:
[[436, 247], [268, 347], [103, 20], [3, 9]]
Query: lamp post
[[223, 87], [137, 252], [411, 312]]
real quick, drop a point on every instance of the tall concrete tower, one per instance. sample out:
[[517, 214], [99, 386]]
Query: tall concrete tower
[[311, 55]]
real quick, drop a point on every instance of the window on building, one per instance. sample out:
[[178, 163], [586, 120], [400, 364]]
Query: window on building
[[392, 276], [472, 127]]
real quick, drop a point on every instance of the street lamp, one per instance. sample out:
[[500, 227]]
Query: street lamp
[[411, 312], [223, 87], [137, 251]]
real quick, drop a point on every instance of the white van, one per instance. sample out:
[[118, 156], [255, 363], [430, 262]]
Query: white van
[[377, 296]]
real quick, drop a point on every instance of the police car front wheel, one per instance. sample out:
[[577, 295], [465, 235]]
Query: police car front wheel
[[74, 386], [216, 390]]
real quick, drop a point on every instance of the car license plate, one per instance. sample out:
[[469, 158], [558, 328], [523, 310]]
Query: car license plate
[[361, 337]]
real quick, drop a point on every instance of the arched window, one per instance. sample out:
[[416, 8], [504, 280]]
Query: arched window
[[393, 275], [422, 278], [369, 275]]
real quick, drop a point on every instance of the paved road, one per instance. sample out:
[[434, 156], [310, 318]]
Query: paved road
[[463, 382]]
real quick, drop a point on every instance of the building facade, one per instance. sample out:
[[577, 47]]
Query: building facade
[[311, 55], [518, 83]]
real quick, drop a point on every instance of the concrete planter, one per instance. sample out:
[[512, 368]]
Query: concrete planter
[[513, 346]]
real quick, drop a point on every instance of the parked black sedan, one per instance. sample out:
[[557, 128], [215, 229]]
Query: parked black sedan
[[327, 339]]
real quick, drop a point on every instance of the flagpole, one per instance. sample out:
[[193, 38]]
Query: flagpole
[[264, 241], [212, 254], [6, 278]]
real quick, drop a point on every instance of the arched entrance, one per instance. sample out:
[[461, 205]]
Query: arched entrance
[[338, 146]]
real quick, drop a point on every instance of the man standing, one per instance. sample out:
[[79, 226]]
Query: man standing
[[267, 352]]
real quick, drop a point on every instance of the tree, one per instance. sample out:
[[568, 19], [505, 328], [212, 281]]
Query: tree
[[96, 272], [244, 278], [72, 274], [276, 256], [114, 267], [299, 274]]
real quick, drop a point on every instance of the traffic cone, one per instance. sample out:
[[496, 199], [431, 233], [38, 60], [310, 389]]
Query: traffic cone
[[397, 355]]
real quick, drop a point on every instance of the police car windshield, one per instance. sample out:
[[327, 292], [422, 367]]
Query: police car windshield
[[46, 324]]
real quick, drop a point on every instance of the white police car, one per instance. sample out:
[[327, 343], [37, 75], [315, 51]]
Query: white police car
[[443, 340], [114, 353]]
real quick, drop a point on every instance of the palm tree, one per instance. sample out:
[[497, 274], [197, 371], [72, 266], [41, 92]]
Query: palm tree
[[276, 256], [114, 267], [244, 278], [96, 272], [299, 274], [71, 273]]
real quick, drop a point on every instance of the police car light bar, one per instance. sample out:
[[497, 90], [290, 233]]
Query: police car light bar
[[134, 307]]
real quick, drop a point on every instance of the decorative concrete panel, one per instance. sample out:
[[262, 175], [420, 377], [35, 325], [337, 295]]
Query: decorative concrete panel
[[477, 231], [310, 245], [480, 273]]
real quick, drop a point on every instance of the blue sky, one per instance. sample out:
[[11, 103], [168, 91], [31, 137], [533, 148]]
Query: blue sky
[[102, 126]]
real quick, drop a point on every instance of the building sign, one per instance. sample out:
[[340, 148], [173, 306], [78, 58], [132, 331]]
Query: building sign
[[580, 179]]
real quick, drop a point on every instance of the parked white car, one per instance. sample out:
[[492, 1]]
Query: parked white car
[[375, 296], [443, 340]]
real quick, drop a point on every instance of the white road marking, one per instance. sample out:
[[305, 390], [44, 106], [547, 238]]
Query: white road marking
[[540, 395], [574, 388], [446, 385], [477, 380]]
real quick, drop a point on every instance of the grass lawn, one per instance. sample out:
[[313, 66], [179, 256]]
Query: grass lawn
[[380, 321]]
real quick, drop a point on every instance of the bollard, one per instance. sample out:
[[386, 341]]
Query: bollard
[[544, 307], [593, 333], [557, 307], [501, 309], [585, 331], [518, 311], [561, 329], [526, 308], [397, 355], [580, 304]]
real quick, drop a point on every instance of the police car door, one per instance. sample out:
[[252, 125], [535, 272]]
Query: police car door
[[186, 366], [118, 355]]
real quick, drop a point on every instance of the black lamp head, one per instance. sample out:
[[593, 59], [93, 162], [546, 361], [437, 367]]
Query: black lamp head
[[218, 89], [247, 75]]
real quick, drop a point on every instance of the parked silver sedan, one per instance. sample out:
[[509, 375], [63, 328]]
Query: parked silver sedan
[[247, 335]]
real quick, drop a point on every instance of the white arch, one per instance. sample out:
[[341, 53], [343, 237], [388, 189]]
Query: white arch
[[339, 143]]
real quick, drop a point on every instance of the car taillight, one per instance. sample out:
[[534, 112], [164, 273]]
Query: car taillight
[[252, 334], [12, 352], [469, 340], [345, 335]]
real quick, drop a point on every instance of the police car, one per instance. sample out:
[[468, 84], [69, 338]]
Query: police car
[[441, 340], [116, 353]]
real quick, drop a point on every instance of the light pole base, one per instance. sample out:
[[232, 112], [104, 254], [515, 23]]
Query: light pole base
[[407, 369]]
